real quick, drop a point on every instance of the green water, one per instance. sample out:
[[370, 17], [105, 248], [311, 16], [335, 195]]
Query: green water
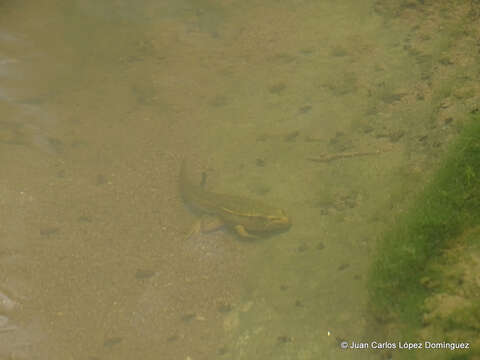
[[99, 103]]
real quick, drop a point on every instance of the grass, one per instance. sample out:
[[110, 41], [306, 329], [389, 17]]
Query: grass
[[449, 205]]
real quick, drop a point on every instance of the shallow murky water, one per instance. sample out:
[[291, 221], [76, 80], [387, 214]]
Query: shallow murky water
[[313, 107]]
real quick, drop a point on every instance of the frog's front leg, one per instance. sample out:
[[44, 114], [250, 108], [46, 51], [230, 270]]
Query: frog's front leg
[[240, 229]]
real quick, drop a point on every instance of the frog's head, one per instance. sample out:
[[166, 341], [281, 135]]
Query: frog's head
[[278, 220]]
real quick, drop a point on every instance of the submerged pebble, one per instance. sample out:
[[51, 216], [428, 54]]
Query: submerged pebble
[[6, 304]]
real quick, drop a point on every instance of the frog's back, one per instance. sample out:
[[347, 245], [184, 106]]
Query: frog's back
[[212, 202]]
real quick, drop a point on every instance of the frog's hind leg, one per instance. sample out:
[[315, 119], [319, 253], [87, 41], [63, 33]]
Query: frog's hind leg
[[241, 231], [205, 224], [196, 229]]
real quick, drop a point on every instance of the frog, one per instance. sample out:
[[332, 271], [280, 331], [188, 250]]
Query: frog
[[249, 218]]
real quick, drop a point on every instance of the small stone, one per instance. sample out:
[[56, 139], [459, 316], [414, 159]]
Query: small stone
[[6, 304], [260, 162]]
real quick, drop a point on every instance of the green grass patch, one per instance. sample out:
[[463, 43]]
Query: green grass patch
[[449, 204]]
